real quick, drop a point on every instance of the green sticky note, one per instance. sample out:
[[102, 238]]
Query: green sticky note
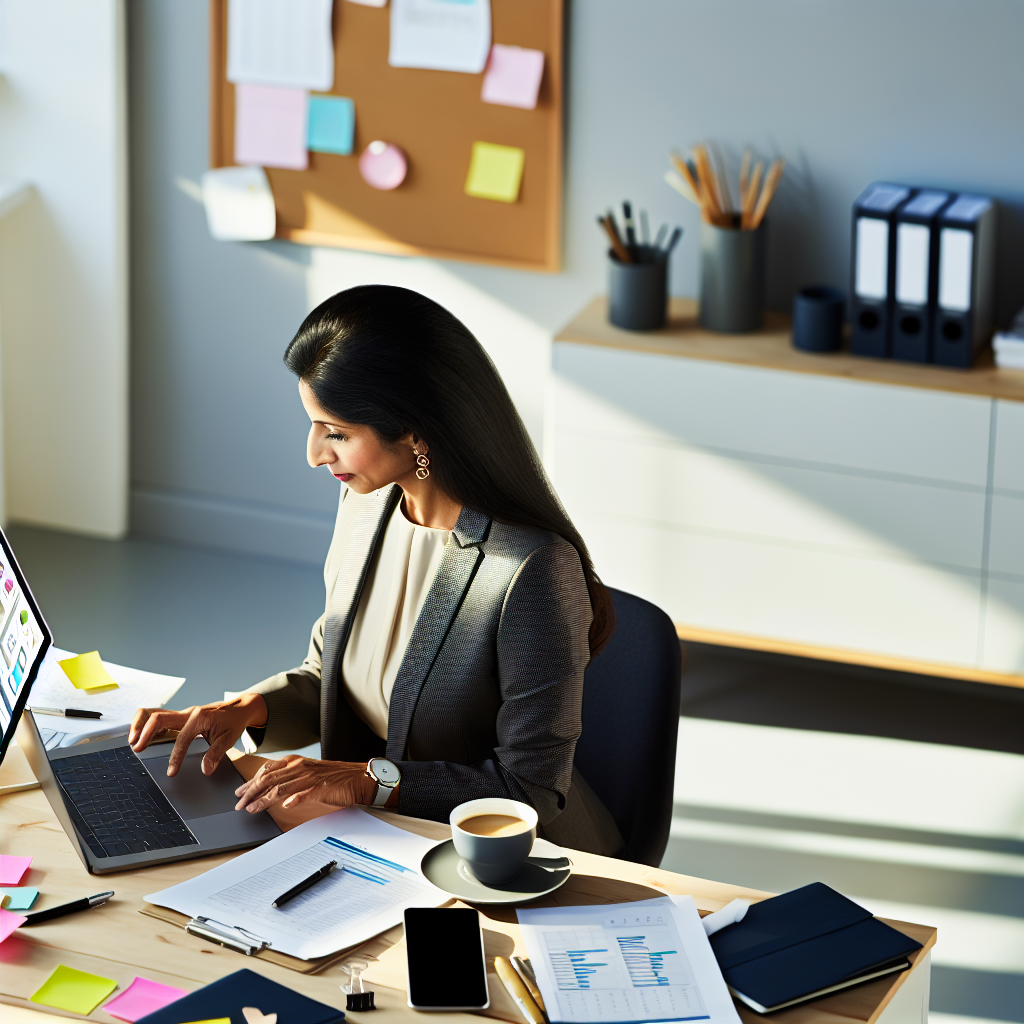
[[332, 124], [21, 898], [86, 672], [75, 991], [495, 172]]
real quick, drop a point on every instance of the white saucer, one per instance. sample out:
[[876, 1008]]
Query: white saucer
[[546, 869]]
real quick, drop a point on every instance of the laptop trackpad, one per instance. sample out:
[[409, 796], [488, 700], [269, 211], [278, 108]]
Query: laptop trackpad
[[193, 794]]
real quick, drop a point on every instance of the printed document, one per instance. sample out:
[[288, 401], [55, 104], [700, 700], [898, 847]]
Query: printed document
[[287, 43], [626, 962], [135, 689], [445, 35], [377, 877]]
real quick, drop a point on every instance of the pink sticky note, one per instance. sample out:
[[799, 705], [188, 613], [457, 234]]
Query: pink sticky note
[[513, 76], [12, 869], [8, 922], [271, 126], [142, 996]]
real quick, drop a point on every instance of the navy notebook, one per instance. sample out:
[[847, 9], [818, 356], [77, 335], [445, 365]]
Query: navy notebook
[[225, 998], [803, 944]]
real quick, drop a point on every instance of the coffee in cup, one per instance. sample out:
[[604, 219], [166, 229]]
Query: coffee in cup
[[494, 836]]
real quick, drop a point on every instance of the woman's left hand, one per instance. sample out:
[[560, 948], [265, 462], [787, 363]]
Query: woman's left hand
[[294, 780]]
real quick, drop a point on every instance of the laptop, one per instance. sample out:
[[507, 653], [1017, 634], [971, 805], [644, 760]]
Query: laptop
[[119, 809]]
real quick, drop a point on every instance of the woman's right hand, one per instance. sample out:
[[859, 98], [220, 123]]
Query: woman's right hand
[[220, 724]]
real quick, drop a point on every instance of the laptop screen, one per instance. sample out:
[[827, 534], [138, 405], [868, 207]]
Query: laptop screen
[[24, 640]]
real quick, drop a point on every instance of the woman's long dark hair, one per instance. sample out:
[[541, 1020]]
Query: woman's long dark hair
[[398, 362]]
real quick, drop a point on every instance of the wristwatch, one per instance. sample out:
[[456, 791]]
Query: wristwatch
[[387, 776]]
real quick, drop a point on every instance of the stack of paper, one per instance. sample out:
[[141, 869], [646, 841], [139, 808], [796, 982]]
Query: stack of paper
[[1009, 345], [135, 689]]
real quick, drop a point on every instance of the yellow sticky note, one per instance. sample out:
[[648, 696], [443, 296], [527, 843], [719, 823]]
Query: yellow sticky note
[[495, 172], [75, 991], [86, 672]]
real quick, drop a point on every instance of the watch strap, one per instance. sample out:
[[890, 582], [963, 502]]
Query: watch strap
[[383, 792]]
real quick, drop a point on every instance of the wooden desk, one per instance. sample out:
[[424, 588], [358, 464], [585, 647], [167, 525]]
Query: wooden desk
[[117, 942]]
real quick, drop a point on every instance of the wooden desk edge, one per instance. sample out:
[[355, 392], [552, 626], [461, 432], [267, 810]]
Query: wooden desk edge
[[845, 655]]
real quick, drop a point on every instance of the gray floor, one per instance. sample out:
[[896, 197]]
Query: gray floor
[[225, 621]]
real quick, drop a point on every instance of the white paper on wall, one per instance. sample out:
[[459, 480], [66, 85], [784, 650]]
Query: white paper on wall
[[444, 35], [239, 204], [281, 42]]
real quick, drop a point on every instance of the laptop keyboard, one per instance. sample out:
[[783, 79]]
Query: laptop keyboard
[[117, 807]]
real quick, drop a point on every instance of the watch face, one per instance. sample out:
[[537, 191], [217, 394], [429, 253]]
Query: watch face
[[385, 771]]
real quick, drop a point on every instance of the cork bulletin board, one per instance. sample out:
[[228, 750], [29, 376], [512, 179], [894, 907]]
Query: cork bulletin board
[[435, 116]]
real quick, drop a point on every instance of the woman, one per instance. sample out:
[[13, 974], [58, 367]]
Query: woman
[[462, 606]]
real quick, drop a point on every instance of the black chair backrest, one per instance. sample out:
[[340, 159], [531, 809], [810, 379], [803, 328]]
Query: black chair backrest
[[627, 752]]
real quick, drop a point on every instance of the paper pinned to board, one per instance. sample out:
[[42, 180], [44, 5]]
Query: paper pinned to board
[[495, 172], [513, 76], [281, 42], [442, 35], [86, 672], [239, 204], [626, 963], [271, 125], [381, 877], [332, 124]]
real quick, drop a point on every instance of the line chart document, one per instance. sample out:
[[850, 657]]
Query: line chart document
[[626, 963], [377, 877]]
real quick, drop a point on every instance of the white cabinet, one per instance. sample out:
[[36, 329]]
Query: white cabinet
[[846, 514]]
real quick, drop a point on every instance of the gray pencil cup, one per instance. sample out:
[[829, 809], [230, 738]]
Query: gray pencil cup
[[731, 278], [638, 292]]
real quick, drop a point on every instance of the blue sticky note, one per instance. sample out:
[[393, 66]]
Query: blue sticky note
[[21, 898], [332, 124]]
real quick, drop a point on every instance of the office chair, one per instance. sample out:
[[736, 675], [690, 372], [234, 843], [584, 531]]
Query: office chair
[[627, 752]]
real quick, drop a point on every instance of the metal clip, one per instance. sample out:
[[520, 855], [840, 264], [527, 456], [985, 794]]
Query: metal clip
[[238, 939]]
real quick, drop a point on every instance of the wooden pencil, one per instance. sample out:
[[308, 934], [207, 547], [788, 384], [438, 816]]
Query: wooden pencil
[[770, 186], [750, 199], [617, 247]]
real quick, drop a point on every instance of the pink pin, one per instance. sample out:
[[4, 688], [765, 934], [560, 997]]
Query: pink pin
[[383, 165]]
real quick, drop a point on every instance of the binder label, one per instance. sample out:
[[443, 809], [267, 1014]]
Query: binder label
[[956, 252], [872, 258], [912, 243]]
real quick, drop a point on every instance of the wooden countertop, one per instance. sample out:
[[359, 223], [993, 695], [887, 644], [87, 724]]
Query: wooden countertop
[[771, 349]]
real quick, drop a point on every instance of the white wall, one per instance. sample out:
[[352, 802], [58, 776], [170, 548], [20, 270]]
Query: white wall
[[925, 91], [63, 264]]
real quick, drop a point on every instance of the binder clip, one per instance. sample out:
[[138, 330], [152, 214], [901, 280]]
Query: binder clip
[[357, 999]]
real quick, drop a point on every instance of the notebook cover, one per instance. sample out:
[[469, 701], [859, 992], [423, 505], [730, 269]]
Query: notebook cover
[[811, 938], [226, 997]]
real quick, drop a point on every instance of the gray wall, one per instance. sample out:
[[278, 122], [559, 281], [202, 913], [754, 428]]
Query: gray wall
[[922, 91]]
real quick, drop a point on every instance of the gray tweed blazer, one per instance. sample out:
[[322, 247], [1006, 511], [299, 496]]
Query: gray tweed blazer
[[488, 698]]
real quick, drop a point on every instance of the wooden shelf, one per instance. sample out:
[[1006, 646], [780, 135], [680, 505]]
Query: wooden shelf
[[771, 349], [720, 638]]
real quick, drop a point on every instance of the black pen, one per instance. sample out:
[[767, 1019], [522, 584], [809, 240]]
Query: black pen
[[676, 235], [627, 216], [306, 883], [67, 712], [67, 908]]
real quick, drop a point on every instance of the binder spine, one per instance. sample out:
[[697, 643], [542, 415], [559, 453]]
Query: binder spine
[[874, 268], [966, 280], [917, 260]]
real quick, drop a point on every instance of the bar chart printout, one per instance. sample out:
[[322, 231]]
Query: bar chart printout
[[612, 964]]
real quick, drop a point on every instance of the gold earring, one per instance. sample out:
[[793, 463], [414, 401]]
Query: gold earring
[[422, 464]]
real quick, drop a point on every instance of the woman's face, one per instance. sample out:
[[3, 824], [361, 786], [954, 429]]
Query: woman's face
[[354, 453]]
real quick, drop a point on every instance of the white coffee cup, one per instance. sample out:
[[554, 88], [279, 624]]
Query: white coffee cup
[[496, 858]]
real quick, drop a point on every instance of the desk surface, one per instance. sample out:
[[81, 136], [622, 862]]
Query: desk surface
[[771, 349], [118, 942]]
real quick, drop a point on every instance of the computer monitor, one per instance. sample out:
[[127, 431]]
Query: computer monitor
[[24, 640]]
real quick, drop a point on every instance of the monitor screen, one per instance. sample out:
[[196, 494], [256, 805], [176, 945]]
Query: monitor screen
[[24, 640]]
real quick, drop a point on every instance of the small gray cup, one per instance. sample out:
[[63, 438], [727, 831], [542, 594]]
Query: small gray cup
[[494, 859], [731, 278]]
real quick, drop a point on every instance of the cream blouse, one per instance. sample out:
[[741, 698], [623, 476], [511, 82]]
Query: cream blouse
[[392, 597]]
